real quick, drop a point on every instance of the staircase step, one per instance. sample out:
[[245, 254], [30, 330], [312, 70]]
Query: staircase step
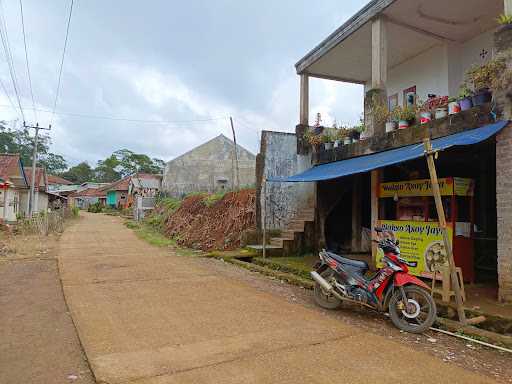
[[288, 235], [276, 241]]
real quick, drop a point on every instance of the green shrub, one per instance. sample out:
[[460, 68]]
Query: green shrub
[[213, 198], [169, 203], [75, 211], [95, 208]]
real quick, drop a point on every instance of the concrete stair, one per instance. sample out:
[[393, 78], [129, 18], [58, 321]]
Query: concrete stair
[[288, 236]]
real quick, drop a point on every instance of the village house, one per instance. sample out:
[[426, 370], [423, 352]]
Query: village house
[[41, 197], [210, 167], [117, 193], [87, 194], [401, 52], [12, 182]]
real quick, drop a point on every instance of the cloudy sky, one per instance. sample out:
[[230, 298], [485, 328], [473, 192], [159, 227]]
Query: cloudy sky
[[183, 66]]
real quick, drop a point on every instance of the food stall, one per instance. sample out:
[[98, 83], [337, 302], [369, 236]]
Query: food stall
[[408, 210]]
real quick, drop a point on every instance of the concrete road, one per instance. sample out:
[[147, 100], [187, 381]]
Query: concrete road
[[147, 316]]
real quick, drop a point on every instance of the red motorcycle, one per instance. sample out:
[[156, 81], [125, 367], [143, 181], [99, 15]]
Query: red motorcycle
[[392, 289]]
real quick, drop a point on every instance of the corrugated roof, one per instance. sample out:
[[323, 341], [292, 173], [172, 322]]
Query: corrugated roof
[[53, 179], [89, 192]]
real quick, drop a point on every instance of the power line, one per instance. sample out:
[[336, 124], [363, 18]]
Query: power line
[[8, 56], [26, 60], [8, 96], [62, 60], [88, 116]]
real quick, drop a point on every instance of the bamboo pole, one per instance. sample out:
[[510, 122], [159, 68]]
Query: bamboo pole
[[429, 153]]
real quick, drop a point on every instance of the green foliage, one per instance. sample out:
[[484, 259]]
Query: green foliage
[[210, 200], [169, 203], [21, 141], [106, 170], [75, 211], [95, 208], [130, 162], [79, 174], [504, 19]]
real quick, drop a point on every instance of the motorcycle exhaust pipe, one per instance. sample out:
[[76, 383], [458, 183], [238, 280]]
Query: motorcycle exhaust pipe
[[320, 280]]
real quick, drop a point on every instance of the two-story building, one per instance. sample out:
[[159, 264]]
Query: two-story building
[[403, 51]]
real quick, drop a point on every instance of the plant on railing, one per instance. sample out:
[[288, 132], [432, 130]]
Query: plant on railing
[[504, 19]]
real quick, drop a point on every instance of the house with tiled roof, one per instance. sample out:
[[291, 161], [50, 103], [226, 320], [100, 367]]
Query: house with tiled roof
[[40, 191], [117, 193], [88, 196], [13, 180]]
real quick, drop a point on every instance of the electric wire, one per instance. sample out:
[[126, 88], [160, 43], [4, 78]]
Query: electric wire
[[26, 61], [114, 118], [8, 96], [62, 61], [8, 56]]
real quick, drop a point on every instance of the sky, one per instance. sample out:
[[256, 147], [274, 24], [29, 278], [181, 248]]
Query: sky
[[178, 68]]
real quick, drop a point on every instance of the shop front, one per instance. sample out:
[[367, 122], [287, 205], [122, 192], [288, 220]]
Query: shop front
[[409, 212]]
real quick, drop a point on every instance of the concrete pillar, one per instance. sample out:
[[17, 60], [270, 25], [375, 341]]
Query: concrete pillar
[[503, 100], [304, 99], [507, 7], [379, 54]]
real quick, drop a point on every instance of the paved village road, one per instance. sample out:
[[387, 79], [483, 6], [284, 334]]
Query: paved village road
[[146, 316]]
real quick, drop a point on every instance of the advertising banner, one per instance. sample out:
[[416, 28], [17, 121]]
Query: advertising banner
[[423, 187], [420, 242]]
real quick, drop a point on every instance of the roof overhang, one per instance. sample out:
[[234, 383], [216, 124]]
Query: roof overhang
[[413, 26]]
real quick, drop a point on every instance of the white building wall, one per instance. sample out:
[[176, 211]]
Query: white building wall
[[440, 70], [10, 210]]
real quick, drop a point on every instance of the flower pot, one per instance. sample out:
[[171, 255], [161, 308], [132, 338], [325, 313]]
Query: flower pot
[[453, 107], [390, 126], [425, 117], [482, 97], [347, 140], [403, 124], [328, 146], [337, 143], [441, 112], [465, 103]]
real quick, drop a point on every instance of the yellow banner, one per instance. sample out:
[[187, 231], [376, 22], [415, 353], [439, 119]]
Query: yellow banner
[[423, 187], [420, 242]]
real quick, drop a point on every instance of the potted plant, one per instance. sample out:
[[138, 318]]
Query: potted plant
[[328, 139], [339, 137], [485, 78], [453, 106], [314, 140], [465, 98], [424, 111], [404, 115], [505, 21]]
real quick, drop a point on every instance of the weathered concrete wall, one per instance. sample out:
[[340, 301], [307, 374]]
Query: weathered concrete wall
[[503, 41], [278, 158], [208, 168]]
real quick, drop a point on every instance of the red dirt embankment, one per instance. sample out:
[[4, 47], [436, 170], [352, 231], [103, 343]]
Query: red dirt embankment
[[218, 226]]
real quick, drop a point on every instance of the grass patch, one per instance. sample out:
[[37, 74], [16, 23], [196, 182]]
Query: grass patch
[[210, 200], [299, 265], [152, 236]]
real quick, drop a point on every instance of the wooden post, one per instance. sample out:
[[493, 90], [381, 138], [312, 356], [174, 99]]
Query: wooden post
[[264, 218], [304, 99], [356, 214], [442, 224], [379, 54], [374, 187]]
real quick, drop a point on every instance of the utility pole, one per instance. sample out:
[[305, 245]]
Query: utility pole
[[34, 165], [236, 155]]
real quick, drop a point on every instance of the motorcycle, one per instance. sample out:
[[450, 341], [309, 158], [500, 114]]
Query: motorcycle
[[391, 289]]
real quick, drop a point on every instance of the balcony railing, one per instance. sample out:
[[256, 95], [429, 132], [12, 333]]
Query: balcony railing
[[462, 121]]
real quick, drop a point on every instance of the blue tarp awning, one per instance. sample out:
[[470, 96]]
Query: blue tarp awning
[[382, 159]]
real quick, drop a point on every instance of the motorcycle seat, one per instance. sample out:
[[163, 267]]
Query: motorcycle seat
[[352, 263]]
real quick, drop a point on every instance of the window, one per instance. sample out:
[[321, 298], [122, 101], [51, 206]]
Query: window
[[410, 96]]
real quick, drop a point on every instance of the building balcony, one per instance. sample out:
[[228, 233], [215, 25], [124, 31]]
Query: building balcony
[[462, 121]]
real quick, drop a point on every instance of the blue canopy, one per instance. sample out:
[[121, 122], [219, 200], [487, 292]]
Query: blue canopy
[[382, 159]]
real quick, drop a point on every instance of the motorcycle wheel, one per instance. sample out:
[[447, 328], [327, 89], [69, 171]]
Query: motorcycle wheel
[[417, 315], [323, 299]]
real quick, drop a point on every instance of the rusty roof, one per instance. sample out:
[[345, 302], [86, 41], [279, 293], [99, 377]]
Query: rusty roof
[[54, 179], [40, 176], [11, 169]]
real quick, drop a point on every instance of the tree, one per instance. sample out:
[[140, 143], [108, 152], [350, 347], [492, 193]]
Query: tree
[[79, 174], [107, 170], [20, 141], [130, 163]]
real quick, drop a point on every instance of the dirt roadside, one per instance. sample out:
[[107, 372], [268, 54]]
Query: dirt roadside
[[146, 315], [38, 341]]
